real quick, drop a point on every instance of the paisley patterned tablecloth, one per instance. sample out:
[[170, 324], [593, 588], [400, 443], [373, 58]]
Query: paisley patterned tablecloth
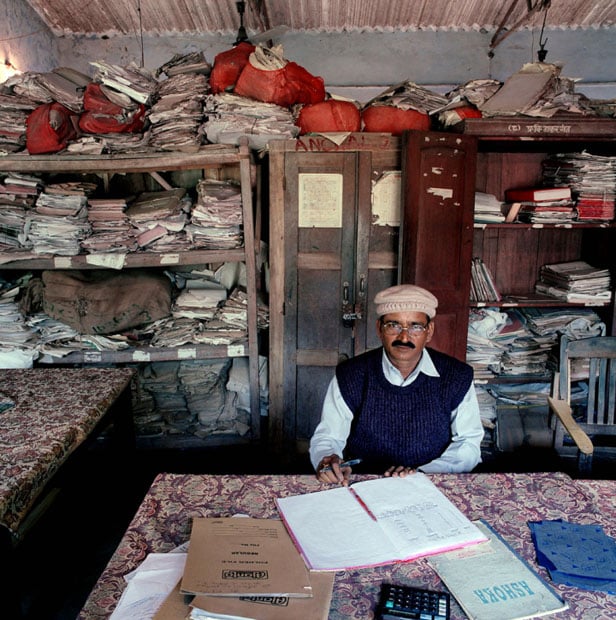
[[54, 412], [505, 501]]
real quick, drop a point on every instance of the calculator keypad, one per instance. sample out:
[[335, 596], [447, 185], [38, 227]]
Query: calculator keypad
[[414, 603]]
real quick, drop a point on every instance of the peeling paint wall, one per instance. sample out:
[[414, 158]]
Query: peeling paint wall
[[25, 41]]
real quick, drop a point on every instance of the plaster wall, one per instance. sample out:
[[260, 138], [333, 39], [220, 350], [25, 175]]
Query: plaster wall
[[358, 65]]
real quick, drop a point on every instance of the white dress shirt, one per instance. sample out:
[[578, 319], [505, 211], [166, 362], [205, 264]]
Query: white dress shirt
[[462, 454]]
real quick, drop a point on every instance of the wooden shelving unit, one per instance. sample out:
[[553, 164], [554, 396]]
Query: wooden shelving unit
[[210, 160]]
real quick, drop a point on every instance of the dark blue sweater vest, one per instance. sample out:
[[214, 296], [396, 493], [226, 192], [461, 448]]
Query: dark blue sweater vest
[[395, 425]]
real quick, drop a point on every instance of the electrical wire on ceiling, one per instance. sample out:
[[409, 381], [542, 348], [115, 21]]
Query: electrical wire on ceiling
[[503, 31]]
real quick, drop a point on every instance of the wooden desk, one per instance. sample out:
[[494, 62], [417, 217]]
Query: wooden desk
[[55, 411], [506, 501]]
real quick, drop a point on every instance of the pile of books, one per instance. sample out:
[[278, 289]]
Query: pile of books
[[542, 205], [483, 287], [575, 282]]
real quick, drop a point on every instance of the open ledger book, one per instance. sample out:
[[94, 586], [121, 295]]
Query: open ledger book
[[375, 522]]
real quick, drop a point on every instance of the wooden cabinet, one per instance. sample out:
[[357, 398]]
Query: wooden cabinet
[[334, 221], [212, 161], [437, 228], [510, 153]]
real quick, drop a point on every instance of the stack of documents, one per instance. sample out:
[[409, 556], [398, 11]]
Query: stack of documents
[[133, 81], [217, 217], [592, 179], [231, 117], [488, 208], [14, 111], [157, 215], [111, 228], [50, 234], [575, 281], [18, 341], [178, 113]]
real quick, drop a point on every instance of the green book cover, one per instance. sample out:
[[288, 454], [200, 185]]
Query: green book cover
[[490, 581]]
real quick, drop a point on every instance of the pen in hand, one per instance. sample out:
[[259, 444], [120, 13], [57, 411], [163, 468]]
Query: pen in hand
[[343, 464]]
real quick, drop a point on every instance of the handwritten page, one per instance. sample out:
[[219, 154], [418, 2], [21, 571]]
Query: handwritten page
[[403, 518]]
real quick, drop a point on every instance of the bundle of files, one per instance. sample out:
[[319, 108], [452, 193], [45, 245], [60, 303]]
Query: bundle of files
[[217, 216], [177, 114], [158, 215], [575, 282], [230, 117], [132, 81], [64, 85], [111, 228], [483, 287], [18, 194], [18, 341], [592, 179], [571, 321], [60, 219], [14, 111], [488, 209]]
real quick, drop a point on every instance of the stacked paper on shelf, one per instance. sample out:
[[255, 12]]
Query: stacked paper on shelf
[[592, 179], [132, 81], [574, 322], [217, 217], [575, 281], [231, 117], [488, 208], [177, 115]]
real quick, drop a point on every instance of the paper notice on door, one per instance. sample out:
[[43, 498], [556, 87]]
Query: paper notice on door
[[320, 200]]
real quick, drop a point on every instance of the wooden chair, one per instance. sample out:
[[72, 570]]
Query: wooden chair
[[592, 360]]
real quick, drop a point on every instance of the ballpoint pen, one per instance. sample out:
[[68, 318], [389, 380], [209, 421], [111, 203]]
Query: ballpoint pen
[[343, 464]]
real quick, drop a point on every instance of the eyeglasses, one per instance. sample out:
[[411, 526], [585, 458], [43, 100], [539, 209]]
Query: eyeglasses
[[392, 328]]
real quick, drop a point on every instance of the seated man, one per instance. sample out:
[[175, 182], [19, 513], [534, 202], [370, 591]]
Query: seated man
[[401, 407]]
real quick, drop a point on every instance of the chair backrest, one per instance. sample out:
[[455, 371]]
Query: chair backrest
[[598, 355]]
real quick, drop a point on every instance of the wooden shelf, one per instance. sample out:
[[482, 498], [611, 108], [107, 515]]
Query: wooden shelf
[[19, 261], [151, 354], [530, 226], [208, 156], [534, 300], [213, 160], [570, 127]]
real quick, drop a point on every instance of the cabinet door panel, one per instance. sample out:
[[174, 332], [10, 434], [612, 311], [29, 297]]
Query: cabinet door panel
[[437, 231], [319, 265]]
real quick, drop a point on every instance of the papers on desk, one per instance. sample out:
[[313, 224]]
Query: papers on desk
[[375, 522], [155, 590], [243, 557], [315, 607], [492, 582]]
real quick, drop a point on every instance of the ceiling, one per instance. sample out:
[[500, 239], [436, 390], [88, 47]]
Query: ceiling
[[221, 17]]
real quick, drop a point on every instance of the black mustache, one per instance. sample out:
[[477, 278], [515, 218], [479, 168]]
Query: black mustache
[[400, 343]]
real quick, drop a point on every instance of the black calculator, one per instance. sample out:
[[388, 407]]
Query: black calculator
[[407, 602]]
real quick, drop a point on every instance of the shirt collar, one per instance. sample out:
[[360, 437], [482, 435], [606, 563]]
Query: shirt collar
[[425, 365]]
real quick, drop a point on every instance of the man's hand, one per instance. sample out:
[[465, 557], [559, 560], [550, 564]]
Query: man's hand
[[396, 471], [330, 472]]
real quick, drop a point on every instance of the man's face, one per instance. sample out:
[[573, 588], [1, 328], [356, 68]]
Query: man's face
[[404, 348]]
